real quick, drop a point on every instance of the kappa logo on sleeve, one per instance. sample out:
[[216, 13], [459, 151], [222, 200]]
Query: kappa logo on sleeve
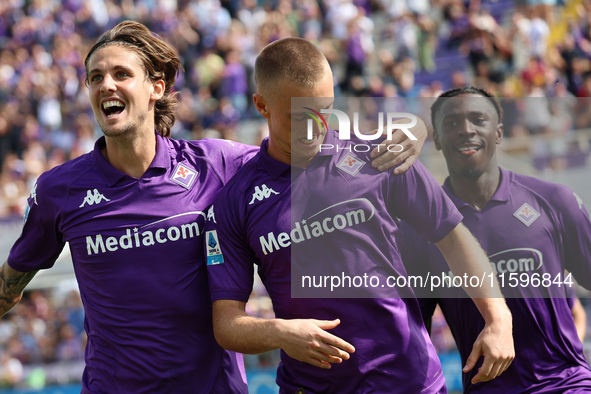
[[579, 201], [211, 215], [526, 214], [28, 208], [214, 252], [34, 194], [350, 164], [184, 176]]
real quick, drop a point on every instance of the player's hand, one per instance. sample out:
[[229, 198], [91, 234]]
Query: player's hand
[[402, 149], [306, 340], [495, 343]]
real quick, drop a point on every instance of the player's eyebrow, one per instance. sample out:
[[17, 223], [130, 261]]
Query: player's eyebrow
[[470, 114], [483, 114], [118, 67]]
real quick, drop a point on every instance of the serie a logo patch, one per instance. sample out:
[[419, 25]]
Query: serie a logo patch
[[214, 252], [350, 164], [184, 176]]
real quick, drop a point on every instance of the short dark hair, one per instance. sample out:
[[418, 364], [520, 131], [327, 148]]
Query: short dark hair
[[465, 90], [159, 59], [293, 59]]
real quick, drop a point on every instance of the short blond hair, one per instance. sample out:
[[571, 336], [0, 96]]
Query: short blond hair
[[291, 59]]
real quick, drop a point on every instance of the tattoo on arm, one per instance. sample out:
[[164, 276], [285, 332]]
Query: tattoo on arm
[[12, 284]]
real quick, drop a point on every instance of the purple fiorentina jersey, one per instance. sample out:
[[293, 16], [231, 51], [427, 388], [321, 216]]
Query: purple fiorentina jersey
[[254, 216], [528, 227], [137, 254]]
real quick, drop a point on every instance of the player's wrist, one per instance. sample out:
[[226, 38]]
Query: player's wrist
[[278, 333], [497, 312]]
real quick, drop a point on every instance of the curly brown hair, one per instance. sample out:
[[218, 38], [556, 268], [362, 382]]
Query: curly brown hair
[[159, 59]]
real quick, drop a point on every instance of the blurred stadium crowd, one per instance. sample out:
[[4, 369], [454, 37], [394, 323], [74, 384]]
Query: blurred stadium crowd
[[377, 48]]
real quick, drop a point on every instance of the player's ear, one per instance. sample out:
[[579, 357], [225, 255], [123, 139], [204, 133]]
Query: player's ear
[[436, 140], [260, 105], [157, 90], [499, 134]]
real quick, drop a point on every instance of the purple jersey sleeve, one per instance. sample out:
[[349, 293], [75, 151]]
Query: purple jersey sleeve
[[230, 267], [425, 206], [416, 254], [226, 156], [236, 156], [576, 229], [40, 242]]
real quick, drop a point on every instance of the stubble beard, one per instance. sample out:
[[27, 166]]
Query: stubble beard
[[130, 128], [472, 173]]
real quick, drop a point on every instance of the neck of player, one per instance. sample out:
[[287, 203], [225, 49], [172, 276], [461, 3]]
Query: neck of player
[[476, 189], [131, 156]]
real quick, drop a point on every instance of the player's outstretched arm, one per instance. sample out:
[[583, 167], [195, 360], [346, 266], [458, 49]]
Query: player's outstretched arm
[[466, 258], [403, 149], [302, 339], [12, 284], [580, 317]]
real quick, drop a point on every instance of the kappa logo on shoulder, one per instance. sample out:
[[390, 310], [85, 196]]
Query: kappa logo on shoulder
[[350, 164], [526, 214], [260, 193], [92, 199]]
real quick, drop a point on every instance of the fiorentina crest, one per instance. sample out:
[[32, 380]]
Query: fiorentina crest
[[350, 164], [184, 176]]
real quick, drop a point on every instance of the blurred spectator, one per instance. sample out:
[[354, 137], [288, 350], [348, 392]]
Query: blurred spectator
[[379, 48], [11, 370], [234, 83], [538, 35], [71, 346], [441, 334], [45, 103], [37, 332]]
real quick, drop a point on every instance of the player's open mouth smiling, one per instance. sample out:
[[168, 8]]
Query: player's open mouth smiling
[[306, 141], [468, 149], [112, 108]]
